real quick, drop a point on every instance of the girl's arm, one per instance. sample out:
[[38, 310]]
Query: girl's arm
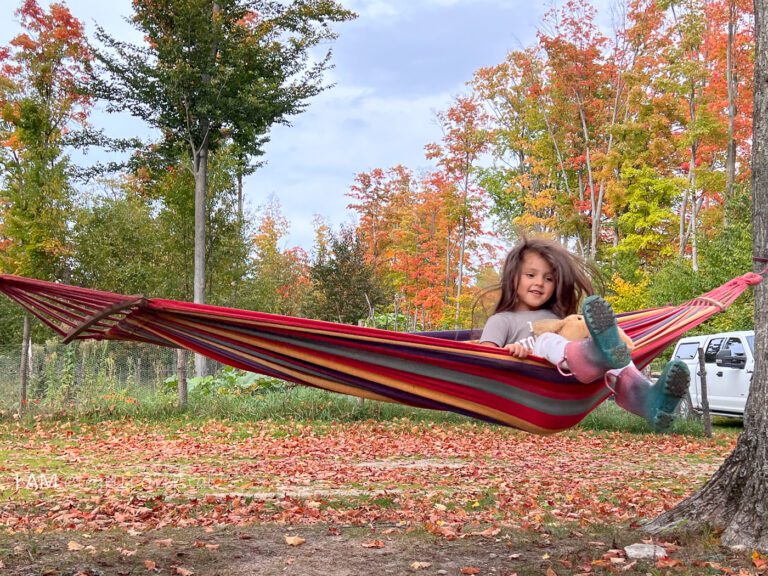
[[496, 331]]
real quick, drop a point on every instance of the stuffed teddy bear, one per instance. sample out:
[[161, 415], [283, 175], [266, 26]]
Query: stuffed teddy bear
[[571, 327]]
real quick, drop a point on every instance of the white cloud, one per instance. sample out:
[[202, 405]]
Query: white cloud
[[347, 130], [397, 64]]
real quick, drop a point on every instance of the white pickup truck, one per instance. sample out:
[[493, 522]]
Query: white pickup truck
[[729, 362]]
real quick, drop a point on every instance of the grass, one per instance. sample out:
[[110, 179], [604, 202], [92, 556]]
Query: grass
[[610, 417], [291, 403]]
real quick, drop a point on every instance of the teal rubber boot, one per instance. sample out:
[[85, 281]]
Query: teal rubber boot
[[658, 402], [601, 322]]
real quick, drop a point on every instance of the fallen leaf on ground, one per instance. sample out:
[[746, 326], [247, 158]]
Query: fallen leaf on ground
[[181, 571], [373, 544], [420, 565], [470, 570], [667, 563], [150, 564], [167, 542], [74, 546], [487, 533], [294, 540]]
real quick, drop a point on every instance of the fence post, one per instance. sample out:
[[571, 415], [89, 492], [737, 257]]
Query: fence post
[[24, 365], [181, 376], [704, 397]]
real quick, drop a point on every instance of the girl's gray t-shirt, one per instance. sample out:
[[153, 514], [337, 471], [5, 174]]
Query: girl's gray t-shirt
[[514, 327]]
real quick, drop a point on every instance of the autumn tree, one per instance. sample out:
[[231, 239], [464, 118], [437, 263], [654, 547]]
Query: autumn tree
[[39, 102], [280, 275], [216, 71], [465, 139], [556, 106], [733, 500], [583, 93], [520, 183], [345, 287]]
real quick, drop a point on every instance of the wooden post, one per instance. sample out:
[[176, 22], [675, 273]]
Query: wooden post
[[24, 365], [704, 397], [181, 377]]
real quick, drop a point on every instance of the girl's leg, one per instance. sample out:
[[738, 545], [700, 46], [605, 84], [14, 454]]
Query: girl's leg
[[551, 347], [658, 402], [581, 358], [634, 392]]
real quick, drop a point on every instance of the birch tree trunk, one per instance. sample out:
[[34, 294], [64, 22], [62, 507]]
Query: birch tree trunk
[[201, 186], [462, 242], [730, 160], [734, 498]]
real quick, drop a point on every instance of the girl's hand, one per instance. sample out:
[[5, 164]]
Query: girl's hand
[[517, 350]]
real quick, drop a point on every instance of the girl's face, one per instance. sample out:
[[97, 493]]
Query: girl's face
[[536, 283]]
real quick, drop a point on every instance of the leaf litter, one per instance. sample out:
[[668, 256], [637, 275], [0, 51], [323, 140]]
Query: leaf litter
[[453, 482]]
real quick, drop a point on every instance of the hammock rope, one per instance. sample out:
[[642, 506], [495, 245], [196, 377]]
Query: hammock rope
[[438, 370]]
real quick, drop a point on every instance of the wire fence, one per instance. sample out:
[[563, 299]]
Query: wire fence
[[70, 374], [73, 375]]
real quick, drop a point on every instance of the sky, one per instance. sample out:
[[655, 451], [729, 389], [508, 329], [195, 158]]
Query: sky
[[395, 66]]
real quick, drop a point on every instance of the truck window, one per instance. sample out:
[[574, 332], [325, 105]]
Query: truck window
[[751, 342], [687, 350], [734, 347], [712, 348]]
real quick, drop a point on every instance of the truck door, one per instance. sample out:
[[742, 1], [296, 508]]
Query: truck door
[[688, 352], [730, 381], [711, 348]]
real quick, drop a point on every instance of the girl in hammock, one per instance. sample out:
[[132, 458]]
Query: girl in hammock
[[542, 280]]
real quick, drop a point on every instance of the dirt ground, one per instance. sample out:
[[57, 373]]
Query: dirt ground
[[350, 551]]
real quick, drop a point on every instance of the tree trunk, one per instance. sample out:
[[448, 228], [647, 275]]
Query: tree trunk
[[704, 395], [596, 201], [730, 161], [201, 185], [240, 217], [181, 377], [463, 242], [734, 498], [24, 365]]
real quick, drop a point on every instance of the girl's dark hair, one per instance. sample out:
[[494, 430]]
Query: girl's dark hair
[[573, 276]]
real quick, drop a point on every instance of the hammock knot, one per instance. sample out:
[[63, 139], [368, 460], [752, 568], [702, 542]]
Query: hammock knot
[[752, 279]]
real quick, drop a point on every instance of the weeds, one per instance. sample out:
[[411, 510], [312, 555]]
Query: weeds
[[98, 384]]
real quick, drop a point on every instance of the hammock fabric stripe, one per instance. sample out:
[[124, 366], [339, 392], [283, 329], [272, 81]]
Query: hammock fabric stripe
[[438, 370]]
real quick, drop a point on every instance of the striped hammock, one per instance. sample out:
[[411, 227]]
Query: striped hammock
[[438, 370]]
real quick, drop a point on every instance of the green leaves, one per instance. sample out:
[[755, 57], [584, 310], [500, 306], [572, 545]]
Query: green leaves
[[345, 285], [215, 71]]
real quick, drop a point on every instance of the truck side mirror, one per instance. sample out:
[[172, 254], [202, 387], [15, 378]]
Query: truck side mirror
[[724, 359]]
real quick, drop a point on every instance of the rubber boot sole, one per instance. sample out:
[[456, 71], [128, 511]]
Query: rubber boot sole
[[673, 382], [601, 322]]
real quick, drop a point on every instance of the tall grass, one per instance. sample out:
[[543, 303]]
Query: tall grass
[[289, 403], [96, 381], [292, 403], [610, 417]]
